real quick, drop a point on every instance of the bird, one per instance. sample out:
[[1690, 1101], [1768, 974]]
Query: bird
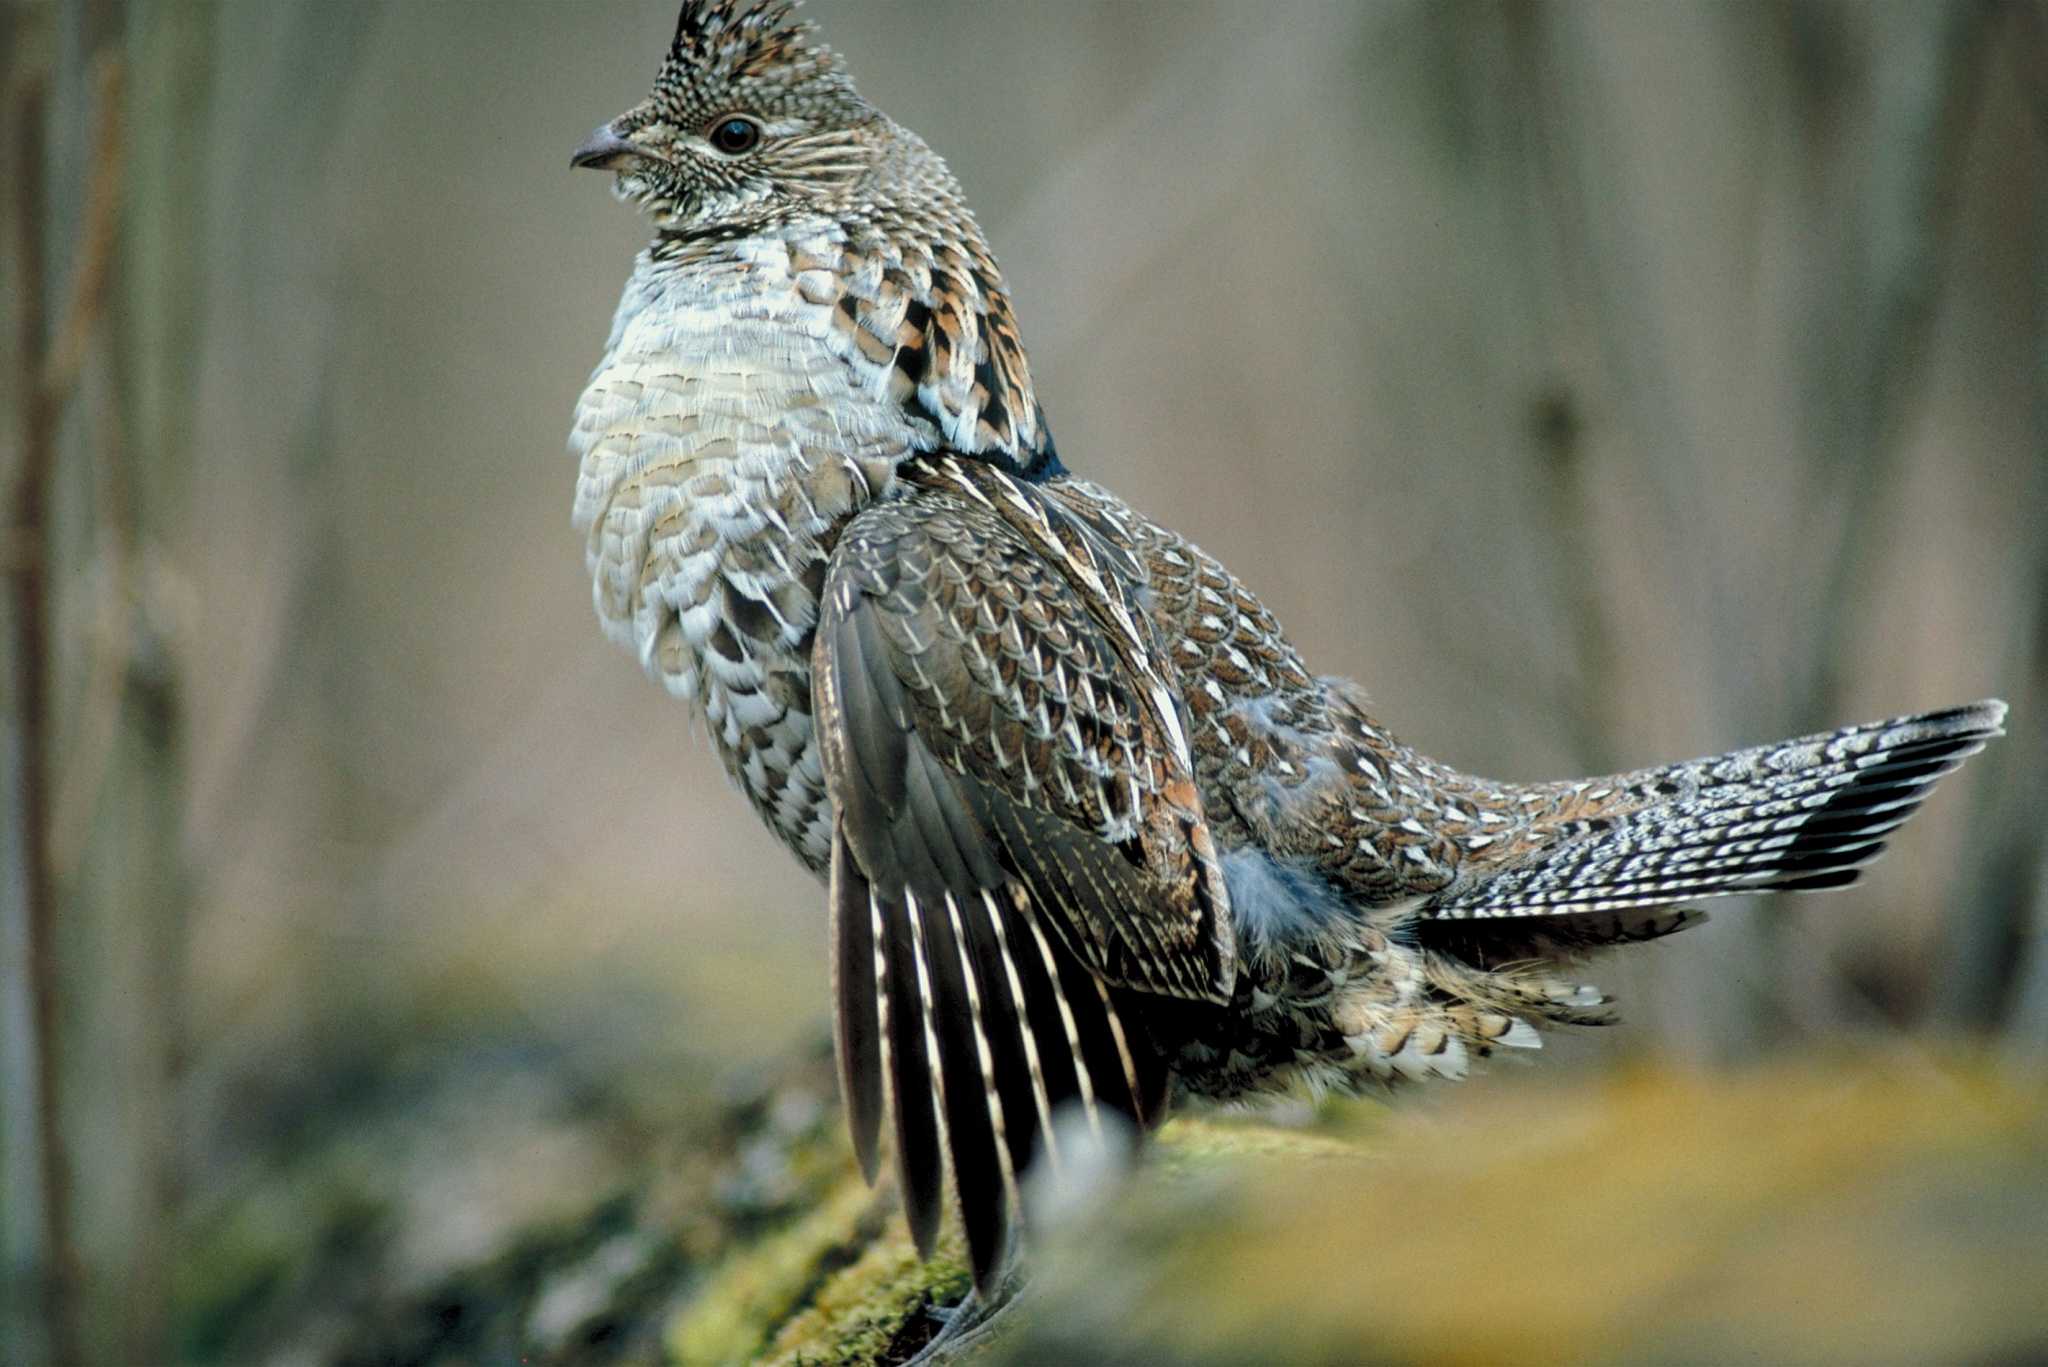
[[1095, 840]]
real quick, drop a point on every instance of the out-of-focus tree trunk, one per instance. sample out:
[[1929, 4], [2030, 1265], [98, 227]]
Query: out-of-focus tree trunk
[[97, 705], [42, 1270], [1817, 497], [1996, 966], [146, 890]]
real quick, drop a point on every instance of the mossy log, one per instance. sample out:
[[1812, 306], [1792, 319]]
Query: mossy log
[[1870, 1208]]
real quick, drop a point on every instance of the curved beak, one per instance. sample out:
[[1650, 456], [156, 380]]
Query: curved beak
[[605, 151]]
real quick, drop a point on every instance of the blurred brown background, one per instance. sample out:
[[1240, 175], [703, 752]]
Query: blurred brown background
[[1597, 383]]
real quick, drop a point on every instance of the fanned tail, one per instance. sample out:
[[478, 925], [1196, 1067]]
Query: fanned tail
[[1798, 816]]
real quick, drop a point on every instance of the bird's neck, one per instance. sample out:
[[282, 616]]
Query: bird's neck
[[758, 391], [917, 311]]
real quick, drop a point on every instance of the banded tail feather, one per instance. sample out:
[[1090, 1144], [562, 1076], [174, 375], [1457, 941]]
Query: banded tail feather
[[1798, 816]]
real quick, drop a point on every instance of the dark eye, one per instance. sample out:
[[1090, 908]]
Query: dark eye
[[735, 135]]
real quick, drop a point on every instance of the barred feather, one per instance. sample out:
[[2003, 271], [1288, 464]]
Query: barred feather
[[1799, 815]]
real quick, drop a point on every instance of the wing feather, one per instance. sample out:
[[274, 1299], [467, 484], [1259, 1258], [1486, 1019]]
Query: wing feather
[[1017, 820], [857, 976], [975, 1124], [992, 933], [908, 1061]]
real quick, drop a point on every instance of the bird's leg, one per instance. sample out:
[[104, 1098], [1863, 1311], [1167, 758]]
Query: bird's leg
[[973, 1323]]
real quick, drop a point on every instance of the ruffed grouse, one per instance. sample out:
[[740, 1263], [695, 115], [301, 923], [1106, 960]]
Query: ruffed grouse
[[1094, 834]]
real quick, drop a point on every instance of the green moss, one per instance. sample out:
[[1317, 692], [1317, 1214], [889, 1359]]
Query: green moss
[[759, 1288], [844, 1286], [864, 1313]]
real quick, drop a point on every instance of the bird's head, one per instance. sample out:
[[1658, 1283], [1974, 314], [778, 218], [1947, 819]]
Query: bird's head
[[753, 128], [751, 122]]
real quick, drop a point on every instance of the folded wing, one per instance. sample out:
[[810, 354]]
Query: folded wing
[[1020, 855]]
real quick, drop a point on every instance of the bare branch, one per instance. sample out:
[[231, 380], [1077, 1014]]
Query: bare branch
[[48, 375], [27, 577], [98, 229]]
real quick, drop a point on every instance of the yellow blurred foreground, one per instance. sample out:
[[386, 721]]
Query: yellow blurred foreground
[[1870, 1209]]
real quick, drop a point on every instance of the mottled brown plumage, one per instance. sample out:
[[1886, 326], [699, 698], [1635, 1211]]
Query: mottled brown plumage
[[1093, 832]]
